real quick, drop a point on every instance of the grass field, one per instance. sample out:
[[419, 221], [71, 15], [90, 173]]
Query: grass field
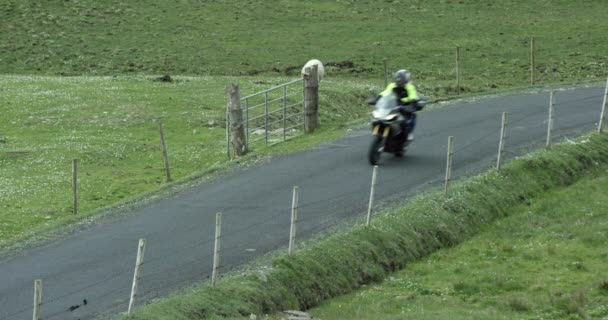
[[545, 261], [84, 37]]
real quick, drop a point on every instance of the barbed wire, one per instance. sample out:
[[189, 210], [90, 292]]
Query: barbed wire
[[163, 288], [93, 262], [189, 262], [110, 277]]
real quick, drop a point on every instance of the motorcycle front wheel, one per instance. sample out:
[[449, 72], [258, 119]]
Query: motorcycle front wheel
[[374, 150]]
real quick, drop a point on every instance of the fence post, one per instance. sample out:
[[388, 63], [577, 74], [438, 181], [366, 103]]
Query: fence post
[[284, 112], [448, 166], [501, 142], [294, 219], [165, 155], [371, 196], [75, 185], [600, 125], [532, 60], [216, 249], [37, 299], [384, 62], [266, 117], [141, 247], [550, 121], [458, 69], [311, 99], [227, 134], [246, 123], [239, 145]]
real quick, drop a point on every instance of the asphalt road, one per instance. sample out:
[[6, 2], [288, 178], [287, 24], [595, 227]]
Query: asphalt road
[[97, 263]]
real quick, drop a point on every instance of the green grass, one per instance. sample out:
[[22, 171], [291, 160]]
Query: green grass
[[274, 37], [546, 260], [111, 125], [348, 260]]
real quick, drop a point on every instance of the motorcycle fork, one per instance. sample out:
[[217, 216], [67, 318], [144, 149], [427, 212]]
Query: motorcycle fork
[[385, 133], [387, 130], [375, 130]]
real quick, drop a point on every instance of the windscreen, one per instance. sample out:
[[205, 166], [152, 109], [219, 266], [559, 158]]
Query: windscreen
[[384, 106]]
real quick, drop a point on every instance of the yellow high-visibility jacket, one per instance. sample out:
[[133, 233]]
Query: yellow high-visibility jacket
[[405, 95]]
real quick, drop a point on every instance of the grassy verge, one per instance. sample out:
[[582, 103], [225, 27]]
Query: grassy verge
[[349, 260], [547, 260]]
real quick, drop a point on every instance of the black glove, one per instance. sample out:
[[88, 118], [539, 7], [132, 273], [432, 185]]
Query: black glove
[[408, 108], [420, 103], [419, 106]]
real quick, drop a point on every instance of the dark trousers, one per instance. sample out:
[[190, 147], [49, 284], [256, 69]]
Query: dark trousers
[[410, 123]]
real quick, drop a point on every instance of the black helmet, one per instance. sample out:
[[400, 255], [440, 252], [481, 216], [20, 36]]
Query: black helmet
[[402, 77]]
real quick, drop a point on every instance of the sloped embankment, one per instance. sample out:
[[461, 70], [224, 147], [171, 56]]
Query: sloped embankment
[[345, 261]]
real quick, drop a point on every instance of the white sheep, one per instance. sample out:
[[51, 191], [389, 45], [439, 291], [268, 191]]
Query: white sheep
[[320, 68]]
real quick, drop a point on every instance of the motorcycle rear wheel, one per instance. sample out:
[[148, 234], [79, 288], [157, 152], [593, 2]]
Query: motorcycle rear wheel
[[374, 150]]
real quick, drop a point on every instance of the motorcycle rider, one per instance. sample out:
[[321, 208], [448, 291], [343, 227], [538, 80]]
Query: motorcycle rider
[[408, 97]]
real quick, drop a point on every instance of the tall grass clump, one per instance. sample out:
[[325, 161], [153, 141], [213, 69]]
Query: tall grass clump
[[347, 260]]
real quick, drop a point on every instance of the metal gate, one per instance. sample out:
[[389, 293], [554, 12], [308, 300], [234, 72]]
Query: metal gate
[[275, 114]]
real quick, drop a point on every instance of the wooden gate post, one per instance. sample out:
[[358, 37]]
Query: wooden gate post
[[311, 99], [237, 128]]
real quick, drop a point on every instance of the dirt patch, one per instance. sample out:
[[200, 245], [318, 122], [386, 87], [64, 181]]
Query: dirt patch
[[165, 78], [345, 66]]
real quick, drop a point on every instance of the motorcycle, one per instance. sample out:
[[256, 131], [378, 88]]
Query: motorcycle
[[388, 123]]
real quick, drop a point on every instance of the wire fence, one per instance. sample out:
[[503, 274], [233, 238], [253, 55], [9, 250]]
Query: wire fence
[[192, 262]]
